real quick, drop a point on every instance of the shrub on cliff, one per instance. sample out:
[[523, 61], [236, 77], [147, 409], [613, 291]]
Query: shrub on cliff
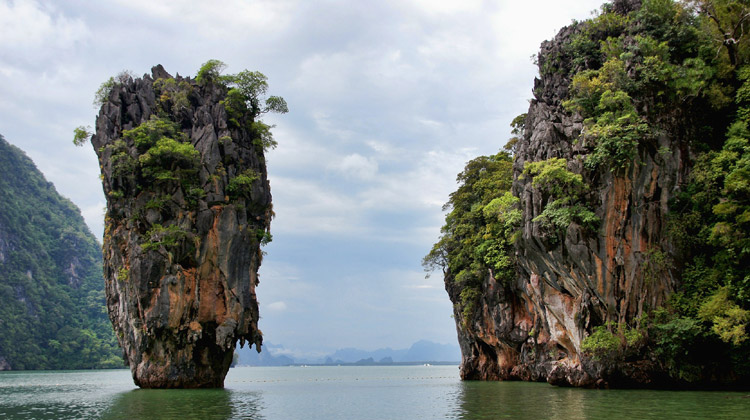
[[105, 89], [677, 69], [613, 342], [477, 238], [166, 154], [564, 193], [246, 99]]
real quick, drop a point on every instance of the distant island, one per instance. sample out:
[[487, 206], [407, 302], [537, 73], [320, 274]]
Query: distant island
[[421, 352]]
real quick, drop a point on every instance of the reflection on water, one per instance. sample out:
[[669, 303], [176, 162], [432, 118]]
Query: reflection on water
[[522, 400], [110, 394], [344, 393], [184, 404], [59, 395]]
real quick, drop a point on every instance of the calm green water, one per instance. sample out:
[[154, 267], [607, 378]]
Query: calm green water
[[403, 392]]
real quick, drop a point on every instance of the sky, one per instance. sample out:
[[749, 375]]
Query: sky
[[388, 100]]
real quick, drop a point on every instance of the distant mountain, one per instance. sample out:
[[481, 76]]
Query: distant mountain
[[270, 356], [420, 352], [52, 313], [352, 355], [427, 351]]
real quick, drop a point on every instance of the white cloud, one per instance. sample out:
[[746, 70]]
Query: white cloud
[[27, 26], [518, 39], [278, 306], [157, 9], [385, 149], [327, 75], [357, 166], [454, 47], [37, 54], [297, 151], [432, 124], [255, 16], [310, 206], [306, 207], [445, 7], [331, 126], [424, 186]]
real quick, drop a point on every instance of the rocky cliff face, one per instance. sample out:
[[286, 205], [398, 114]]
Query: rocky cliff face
[[188, 205], [570, 281]]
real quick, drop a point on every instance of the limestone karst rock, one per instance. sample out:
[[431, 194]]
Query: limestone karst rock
[[188, 206], [585, 279], [572, 278]]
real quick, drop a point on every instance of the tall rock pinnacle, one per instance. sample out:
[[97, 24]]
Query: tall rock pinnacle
[[188, 206]]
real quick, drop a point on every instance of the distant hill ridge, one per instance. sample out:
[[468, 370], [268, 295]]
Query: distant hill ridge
[[421, 351]]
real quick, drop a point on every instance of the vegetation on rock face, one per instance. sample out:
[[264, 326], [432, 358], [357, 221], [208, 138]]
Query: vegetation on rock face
[[105, 89], [188, 208], [711, 225], [246, 99], [81, 135], [564, 191], [655, 63], [645, 79], [609, 343], [672, 67], [477, 238], [241, 185], [164, 154], [52, 314]]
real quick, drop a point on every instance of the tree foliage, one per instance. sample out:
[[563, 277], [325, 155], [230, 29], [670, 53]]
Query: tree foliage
[[53, 314], [246, 99], [728, 24], [164, 156], [477, 238], [242, 184], [653, 64], [210, 72], [105, 89], [81, 135], [675, 69], [612, 342], [564, 194]]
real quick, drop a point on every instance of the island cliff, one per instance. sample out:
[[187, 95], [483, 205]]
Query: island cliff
[[188, 207], [52, 314], [589, 264]]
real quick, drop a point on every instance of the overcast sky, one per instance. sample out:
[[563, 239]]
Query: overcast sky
[[388, 100]]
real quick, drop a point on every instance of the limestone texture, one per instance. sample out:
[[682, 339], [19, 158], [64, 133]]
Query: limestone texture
[[183, 227], [533, 328]]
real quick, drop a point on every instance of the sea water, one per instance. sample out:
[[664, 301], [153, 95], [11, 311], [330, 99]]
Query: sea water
[[346, 392]]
